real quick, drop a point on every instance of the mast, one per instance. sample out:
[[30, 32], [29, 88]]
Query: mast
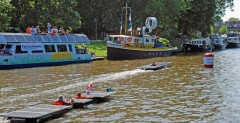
[[126, 18]]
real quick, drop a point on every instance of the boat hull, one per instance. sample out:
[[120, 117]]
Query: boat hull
[[219, 47], [189, 47], [127, 54], [233, 45], [157, 66], [44, 64]]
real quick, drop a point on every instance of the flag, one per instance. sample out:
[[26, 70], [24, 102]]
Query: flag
[[130, 22], [121, 22]]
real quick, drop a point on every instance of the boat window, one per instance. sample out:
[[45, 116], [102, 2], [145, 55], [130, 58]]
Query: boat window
[[70, 47], [5, 50], [2, 49], [115, 39], [19, 49], [154, 40], [110, 39], [49, 48], [62, 48], [147, 40], [37, 51]]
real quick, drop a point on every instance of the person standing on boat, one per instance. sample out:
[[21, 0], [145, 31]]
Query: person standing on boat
[[38, 31], [49, 27], [33, 30], [89, 88], [28, 30]]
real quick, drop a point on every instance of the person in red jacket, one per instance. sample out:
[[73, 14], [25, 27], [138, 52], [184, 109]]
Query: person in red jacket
[[28, 30], [79, 96], [63, 101]]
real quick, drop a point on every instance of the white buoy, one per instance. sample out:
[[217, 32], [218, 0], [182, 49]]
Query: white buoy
[[208, 60]]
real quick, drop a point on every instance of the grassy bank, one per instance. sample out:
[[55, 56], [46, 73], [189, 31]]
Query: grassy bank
[[98, 47]]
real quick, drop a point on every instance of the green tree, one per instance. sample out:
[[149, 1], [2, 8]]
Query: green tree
[[59, 13], [233, 19], [167, 12], [197, 15], [212, 29], [5, 9], [223, 30]]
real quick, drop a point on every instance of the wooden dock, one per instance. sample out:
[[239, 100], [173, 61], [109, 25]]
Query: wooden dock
[[99, 96], [157, 66], [3, 119], [44, 112], [37, 113], [81, 102]]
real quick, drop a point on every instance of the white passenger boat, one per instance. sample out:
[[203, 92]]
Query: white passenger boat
[[233, 40], [199, 44], [19, 50]]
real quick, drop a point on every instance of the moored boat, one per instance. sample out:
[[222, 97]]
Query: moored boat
[[199, 44], [217, 41], [20, 50], [136, 44], [233, 40], [122, 47]]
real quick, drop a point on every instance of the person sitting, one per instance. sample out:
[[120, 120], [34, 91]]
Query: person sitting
[[79, 96], [63, 101], [109, 89], [153, 64], [61, 31], [53, 31]]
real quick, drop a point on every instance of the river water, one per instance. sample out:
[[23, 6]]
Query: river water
[[185, 91]]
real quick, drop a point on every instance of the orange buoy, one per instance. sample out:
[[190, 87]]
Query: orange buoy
[[208, 60]]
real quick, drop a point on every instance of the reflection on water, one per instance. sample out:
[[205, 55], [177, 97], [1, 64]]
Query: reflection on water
[[182, 92]]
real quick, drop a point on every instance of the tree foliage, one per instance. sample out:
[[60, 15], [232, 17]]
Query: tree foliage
[[5, 9], [223, 30], [59, 13], [88, 16], [233, 19]]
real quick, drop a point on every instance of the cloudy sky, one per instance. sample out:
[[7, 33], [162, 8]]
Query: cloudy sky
[[235, 13]]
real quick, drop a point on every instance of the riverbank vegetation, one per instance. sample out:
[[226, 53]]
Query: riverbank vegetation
[[99, 48], [97, 17]]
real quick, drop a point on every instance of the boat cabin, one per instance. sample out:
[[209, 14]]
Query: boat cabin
[[199, 41], [233, 38], [131, 41], [216, 39]]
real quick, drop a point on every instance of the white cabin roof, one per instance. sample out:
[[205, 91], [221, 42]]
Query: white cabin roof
[[27, 38]]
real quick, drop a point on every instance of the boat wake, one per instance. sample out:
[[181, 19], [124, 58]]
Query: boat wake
[[75, 85]]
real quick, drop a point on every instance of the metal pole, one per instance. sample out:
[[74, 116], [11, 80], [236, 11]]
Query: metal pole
[[126, 20], [96, 28]]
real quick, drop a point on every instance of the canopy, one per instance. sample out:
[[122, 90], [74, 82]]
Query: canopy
[[27, 38]]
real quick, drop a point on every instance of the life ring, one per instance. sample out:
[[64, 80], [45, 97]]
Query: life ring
[[129, 39]]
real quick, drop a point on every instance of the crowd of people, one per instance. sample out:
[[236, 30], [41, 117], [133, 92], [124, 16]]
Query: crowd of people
[[51, 30]]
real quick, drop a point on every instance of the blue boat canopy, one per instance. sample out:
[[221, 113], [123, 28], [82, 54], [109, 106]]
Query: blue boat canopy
[[27, 38]]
